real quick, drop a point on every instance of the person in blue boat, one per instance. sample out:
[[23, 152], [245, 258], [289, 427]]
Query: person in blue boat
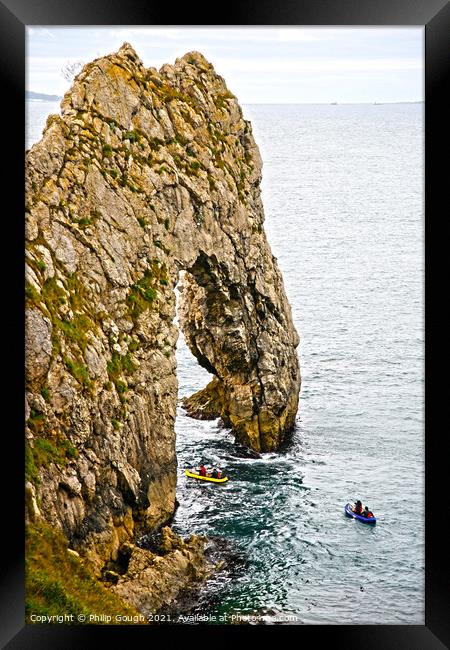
[[357, 508], [367, 513]]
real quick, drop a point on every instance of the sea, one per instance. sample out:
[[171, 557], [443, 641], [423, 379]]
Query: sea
[[343, 193]]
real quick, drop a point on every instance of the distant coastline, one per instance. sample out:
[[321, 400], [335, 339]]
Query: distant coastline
[[30, 95]]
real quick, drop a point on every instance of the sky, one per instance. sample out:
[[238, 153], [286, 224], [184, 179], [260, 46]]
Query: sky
[[260, 64]]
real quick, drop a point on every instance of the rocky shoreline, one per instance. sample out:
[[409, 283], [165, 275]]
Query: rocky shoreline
[[154, 580], [229, 564], [143, 582]]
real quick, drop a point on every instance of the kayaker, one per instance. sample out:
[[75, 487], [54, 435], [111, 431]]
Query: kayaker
[[358, 508]]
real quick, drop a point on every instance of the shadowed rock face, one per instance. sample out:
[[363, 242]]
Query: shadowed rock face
[[146, 174]]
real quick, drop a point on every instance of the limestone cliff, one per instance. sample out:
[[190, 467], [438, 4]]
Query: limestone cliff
[[144, 175]]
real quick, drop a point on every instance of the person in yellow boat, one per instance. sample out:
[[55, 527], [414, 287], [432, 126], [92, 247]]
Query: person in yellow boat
[[202, 470], [216, 473]]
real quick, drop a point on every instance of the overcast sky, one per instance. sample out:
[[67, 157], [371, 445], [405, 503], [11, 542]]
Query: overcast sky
[[259, 64]]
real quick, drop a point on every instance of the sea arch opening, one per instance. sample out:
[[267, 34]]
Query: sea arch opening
[[216, 316]]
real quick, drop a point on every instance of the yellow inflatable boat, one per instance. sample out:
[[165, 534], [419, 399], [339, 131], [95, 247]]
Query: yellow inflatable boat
[[192, 474]]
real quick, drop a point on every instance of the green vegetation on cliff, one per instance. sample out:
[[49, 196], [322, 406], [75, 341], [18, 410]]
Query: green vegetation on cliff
[[58, 582], [145, 290]]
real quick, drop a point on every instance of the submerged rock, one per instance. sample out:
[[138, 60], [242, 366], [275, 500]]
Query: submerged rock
[[201, 599], [145, 177]]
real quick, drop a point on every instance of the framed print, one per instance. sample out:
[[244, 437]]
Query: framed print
[[232, 252]]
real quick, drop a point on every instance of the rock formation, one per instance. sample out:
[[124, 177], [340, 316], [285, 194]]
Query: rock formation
[[154, 579], [145, 175]]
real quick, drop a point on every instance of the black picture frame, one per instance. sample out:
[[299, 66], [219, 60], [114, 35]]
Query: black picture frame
[[434, 15]]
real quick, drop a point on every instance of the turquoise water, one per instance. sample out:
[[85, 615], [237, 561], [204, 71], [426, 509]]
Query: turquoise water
[[343, 196], [342, 190]]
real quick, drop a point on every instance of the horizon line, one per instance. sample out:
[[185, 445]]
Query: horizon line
[[312, 103]]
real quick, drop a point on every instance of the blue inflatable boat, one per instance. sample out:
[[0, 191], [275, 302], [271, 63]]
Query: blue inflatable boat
[[367, 520]]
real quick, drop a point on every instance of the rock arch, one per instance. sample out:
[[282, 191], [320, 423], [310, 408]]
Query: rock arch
[[143, 175], [239, 334]]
